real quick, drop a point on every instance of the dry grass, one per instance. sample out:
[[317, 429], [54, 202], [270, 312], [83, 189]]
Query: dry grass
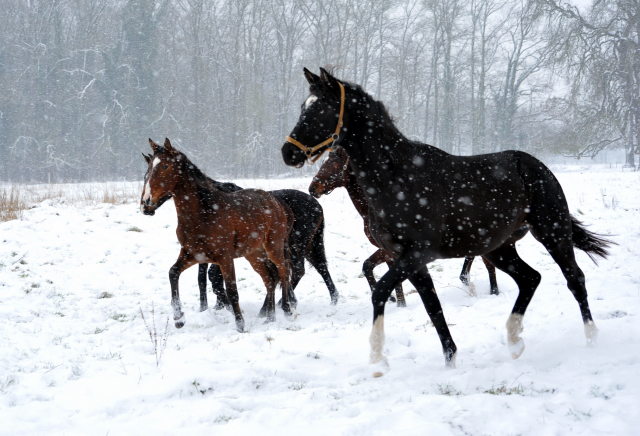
[[15, 199], [12, 203]]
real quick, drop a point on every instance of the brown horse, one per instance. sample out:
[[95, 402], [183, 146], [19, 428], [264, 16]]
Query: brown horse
[[217, 227], [336, 172]]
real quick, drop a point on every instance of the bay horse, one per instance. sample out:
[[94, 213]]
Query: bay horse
[[426, 204], [216, 227], [306, 241], [336, 172]]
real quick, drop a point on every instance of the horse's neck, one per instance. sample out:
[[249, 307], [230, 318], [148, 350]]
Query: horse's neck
[[188, 203], [356, 193], [392, 159]]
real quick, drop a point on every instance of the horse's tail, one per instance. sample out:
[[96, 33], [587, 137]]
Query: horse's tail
[[594, 244]]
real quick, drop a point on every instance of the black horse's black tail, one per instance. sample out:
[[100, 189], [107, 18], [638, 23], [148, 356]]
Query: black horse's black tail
[[593, 244]]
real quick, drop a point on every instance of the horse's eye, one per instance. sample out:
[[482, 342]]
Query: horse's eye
[[165, 167]]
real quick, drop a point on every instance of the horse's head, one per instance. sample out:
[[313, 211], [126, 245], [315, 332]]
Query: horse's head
[[334, 173], [163, 173], [321, 123]]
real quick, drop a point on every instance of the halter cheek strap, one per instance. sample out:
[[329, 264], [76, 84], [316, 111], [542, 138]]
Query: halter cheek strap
[[308, 151]]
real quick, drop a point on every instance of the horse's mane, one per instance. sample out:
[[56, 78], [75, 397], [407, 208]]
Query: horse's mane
[[209, 190], [379, 110]]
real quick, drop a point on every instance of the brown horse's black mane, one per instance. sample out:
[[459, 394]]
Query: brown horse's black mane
[[208, 189]]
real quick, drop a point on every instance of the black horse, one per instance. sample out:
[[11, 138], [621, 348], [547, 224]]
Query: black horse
[[306, 241], [426, 204]]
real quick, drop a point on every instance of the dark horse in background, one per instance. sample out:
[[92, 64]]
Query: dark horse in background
[[336, 172], [217, 227], [425, 204], [306, 241]]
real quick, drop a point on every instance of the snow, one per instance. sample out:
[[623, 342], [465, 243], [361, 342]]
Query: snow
[[76, 357]]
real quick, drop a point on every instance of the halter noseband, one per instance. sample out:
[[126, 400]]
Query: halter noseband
[[308, 151]]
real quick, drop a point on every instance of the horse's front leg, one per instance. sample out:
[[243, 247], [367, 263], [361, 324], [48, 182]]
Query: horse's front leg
[[217, 283], [402, 269], [185, 260], [202, 284]]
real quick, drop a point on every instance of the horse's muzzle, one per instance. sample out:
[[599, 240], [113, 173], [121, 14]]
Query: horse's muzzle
[[147, 207], [316, 189]]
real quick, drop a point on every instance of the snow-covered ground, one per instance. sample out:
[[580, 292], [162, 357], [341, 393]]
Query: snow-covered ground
[[76, 357]]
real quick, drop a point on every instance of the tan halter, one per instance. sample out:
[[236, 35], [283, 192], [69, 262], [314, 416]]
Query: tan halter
[[308, 151]]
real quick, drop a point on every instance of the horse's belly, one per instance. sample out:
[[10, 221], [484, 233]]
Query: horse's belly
[[247, 245], [473, 238]]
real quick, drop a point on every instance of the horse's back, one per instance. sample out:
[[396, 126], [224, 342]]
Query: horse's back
[[305, 208]]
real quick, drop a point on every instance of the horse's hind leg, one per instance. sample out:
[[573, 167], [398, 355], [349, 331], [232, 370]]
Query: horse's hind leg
[[424, 285], [269, 273], [297, 272], [563, 254], [229, 273], [492, 276], [507, 260], [466, 267], [275, 247], [217, 283], [318, 259], [202, 284]]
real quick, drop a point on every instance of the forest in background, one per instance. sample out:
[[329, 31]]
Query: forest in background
[[84, 83]]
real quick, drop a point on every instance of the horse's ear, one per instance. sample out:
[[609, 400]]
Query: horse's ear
[[168, 147], [153, 145], [329, 82], [313, 79], [147, 158]]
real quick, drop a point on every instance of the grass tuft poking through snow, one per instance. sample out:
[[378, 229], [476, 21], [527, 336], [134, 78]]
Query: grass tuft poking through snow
[[161, 345]]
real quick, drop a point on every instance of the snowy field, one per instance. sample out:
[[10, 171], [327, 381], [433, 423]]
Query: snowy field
[[76, 357]]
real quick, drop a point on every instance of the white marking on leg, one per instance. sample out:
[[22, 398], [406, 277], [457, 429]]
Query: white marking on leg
[[376, 340], [514, 328], [312, 99], [591, 332]]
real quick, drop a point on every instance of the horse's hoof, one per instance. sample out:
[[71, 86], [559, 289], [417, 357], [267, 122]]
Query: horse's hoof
[[380, 368], [240, 326], [516, 349], [180, 321], [334, 299], [494, 292], [262, 314], [392, 298], [218, 306], [402, 303], [203, 308], [451, 362]]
